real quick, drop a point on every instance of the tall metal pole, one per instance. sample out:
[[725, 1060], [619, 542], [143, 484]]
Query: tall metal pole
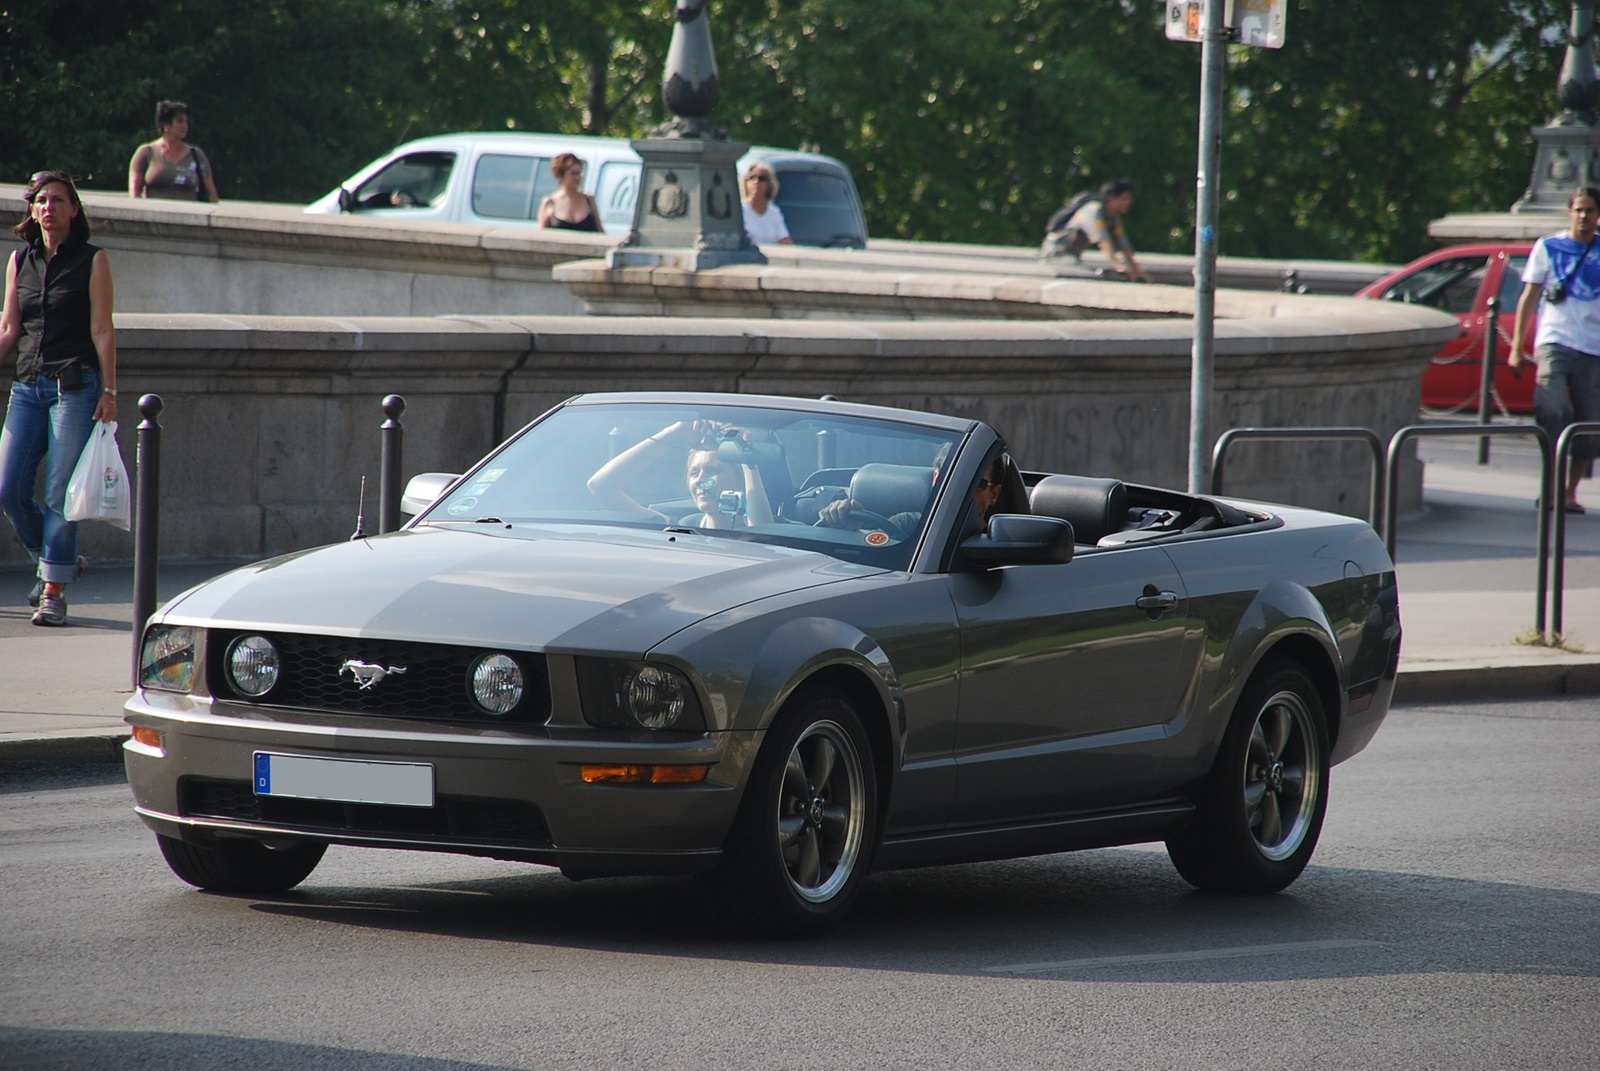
[[1213, 46]]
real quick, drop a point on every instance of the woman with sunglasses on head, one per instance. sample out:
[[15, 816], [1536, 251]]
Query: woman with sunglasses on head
[[763, 220], [569, 208], [57, 320], [720, 469], [169, 167]]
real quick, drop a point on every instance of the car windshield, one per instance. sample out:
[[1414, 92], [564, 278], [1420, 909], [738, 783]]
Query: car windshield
[[818, 209], [413, 181], [859, 489]]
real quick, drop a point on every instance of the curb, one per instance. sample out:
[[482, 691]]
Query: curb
[[68, 746], [1448, 683]]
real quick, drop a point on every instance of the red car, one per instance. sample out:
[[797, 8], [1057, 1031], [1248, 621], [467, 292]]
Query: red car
[[1462, 279]]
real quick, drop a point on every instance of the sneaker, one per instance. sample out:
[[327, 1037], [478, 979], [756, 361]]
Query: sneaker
[[52, 610], [38, 585]]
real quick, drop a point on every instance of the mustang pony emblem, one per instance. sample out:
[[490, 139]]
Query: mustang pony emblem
[[368, 674]]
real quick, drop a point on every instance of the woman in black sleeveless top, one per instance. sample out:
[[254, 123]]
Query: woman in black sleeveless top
[[57, 319], [569, 208]]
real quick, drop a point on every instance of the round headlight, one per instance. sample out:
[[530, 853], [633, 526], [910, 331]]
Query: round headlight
[[497, 683], [253, 665], [656, 697]]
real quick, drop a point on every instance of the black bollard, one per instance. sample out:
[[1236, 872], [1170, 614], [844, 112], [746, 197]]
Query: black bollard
[[389, 474], [1491, 350], [146, 522]]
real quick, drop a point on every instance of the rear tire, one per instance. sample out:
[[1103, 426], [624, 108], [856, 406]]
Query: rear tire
[[240, 865], [806, 829], [1261, 812]]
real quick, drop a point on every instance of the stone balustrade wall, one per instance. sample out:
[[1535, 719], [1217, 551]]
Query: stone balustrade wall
[[271, 422]]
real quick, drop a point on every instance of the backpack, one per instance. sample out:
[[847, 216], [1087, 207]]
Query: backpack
[[1058, 240]]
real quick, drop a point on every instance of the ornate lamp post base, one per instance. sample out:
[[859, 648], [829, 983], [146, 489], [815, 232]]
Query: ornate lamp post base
[[688, 213], [1567, 157]]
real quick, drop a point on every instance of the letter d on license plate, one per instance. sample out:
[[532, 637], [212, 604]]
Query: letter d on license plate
[[399, 784]]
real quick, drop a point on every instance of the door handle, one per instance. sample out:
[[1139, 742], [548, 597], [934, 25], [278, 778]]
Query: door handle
[[1164, 600]]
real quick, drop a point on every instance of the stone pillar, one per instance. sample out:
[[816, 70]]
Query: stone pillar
[[1569, 145], [688, 213]]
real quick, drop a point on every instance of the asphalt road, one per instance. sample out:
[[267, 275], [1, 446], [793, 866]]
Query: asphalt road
[[1451, 919]]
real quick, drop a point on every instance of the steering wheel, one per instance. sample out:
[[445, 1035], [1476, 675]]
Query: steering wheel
[[874, 520]]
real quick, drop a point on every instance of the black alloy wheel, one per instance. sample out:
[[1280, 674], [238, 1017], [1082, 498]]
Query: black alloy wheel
[[1262, 810], [806, 830]]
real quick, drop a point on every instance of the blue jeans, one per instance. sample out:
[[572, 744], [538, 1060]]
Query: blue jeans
[[46, 424]]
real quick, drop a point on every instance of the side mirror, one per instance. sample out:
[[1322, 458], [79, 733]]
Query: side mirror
[[424, 490], [347, 200], [1020, 539]]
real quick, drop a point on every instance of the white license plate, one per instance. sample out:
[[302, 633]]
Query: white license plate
[[400, 784]]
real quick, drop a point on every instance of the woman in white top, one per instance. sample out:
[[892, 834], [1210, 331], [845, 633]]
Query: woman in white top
[[763, 220]]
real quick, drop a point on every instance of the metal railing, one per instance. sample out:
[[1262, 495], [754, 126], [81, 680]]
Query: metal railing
[[1461, 431], [1558, 579], [1362, 435]]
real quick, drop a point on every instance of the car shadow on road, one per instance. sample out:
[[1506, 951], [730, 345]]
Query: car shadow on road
[[124, 1050], [1110, 915]]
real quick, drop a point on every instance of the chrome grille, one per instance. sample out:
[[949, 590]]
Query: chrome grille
[[434, 686]]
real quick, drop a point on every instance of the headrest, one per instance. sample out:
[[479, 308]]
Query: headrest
[[891, 489], [1094, 507]]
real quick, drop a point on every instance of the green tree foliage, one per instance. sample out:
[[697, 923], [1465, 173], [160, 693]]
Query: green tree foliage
[[964, 122]]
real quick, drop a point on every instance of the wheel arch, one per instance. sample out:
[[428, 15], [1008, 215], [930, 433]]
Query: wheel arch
[[1305, 651], [1285, 621], [855, 685]]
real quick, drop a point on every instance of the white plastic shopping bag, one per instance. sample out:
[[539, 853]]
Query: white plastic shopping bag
[[98, 490]]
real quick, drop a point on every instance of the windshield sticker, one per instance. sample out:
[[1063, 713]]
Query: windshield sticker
[[478, 489], [877, 539], [490, 475], [465, 505]]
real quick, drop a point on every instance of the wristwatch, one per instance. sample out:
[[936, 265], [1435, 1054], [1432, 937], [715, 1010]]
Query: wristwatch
[[111, 391]]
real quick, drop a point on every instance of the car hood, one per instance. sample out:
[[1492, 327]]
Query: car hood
[[546, 588]]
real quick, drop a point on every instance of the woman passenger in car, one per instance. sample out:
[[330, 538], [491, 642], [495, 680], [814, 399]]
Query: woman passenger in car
[[708, 474]]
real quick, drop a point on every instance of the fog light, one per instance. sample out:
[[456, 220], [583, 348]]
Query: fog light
[[497, 683], [253, 666]]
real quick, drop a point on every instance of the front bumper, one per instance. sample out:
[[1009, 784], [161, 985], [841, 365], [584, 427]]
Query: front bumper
[[509, 794]]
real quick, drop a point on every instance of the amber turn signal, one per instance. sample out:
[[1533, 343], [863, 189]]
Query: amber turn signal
[[147, 736], [641, 775]]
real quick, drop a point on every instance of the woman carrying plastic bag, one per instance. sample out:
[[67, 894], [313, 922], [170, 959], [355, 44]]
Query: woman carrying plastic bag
[[58, 298]]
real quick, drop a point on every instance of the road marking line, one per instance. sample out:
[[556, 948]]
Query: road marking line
[[1180, 957]]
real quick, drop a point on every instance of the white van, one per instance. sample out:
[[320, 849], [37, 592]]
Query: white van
[[502, 178]]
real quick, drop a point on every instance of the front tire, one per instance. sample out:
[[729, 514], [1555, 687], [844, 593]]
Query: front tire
[[1261, 812], [805, 832], [241, 865]]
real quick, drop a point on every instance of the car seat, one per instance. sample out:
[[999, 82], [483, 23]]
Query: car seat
[[1094, 507]]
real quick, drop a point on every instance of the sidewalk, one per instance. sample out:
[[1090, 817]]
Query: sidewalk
[[1467, 580]]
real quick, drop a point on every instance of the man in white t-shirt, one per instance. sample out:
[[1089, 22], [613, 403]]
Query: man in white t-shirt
[[763, 220], [1562, 288]]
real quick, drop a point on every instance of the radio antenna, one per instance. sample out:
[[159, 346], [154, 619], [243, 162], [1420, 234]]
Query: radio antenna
[[361, 506]]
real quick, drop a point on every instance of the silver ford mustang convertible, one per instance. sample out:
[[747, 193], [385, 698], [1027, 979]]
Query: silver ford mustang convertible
[[777, 644]]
